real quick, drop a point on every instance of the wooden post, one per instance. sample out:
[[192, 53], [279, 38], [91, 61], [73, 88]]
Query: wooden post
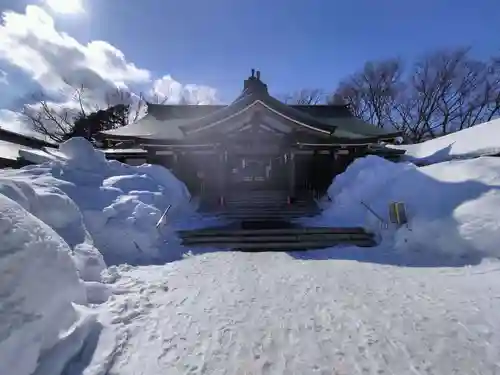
[[151, 157], [173, 167], [291, 176], [223, 187]]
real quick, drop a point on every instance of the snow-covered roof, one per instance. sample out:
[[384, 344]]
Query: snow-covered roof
[[9, 151], [36, 156], [149, 126], [29, 139], [117, 151], [479, 140], [11, 143]]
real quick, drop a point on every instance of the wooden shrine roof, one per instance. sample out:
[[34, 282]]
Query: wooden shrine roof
[[190, 111], [177, 122]]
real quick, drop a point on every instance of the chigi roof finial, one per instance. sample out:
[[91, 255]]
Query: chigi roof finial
[[254, 84]]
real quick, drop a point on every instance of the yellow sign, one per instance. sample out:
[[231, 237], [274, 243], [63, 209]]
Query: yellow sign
[[397, 213]]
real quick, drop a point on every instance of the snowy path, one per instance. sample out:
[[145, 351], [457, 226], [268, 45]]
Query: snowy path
[[267, 313]]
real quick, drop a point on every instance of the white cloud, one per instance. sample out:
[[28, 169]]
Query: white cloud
[[11, 120], [65, 6], [30, 42], [59, 63], [168, 90]]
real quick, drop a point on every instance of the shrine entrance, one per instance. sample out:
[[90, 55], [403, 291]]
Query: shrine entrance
[[256, 172]]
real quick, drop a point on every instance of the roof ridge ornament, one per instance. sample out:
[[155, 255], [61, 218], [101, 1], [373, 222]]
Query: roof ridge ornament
[[253, 83]]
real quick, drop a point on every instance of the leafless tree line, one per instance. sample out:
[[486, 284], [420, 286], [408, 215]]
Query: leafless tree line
[[84, 117], [440, 93]]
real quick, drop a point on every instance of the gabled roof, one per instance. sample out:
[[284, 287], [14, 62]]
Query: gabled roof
[[191, 111], [255, 97], [251, 105], [148, 127], [9, 150], [175, 122], [23, 139]]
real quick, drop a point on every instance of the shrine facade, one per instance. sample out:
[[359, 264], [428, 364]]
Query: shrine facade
[[255, 143]]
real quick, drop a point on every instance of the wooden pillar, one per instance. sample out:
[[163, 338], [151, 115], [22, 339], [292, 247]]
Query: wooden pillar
[[223, 177], [173, 166], [151, 157], [291, 175]]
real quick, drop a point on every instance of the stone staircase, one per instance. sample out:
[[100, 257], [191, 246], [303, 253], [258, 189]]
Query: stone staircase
[[262, 220], [277, 239], [260, 206]]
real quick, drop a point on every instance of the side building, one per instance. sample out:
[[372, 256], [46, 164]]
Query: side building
[[256, 142], [10, 145]]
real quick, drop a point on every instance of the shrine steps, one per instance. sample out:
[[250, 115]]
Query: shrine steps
[[259, 206], [276, 239], [263, 221]]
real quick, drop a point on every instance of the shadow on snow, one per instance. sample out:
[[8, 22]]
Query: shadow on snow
[[435, 241]]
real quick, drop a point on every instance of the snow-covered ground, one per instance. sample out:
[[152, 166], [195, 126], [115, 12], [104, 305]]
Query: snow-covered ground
[[269, 313], [423, 302]]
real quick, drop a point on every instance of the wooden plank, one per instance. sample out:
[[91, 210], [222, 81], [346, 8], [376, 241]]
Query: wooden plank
[[272, 217], [286, 246], [231, 210], [268, 231], [265, 213], [335, 237]]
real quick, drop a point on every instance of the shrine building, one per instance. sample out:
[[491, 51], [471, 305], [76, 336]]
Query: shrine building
[[256, 142]]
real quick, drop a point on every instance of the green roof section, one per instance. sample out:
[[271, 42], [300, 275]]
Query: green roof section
[[357, 126], [178, 122]]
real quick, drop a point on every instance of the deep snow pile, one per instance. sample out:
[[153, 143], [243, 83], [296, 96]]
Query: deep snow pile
[[452, 206], [479, 140], [95, 203], [39, 324], [60, 223]]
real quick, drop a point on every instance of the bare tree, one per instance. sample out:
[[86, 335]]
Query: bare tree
[[449, 91], [371, 93], [306, 97], [83, 118], [52, 121]]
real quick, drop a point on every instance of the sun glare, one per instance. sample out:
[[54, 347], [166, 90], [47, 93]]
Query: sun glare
[[65, 6]]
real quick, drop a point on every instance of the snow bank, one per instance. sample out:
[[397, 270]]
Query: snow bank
[[452, 206], [38, 286], [479, 140], [60, 223], [94, 204]]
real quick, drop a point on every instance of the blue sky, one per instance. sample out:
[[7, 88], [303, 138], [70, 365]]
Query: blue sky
[[296, 44]]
